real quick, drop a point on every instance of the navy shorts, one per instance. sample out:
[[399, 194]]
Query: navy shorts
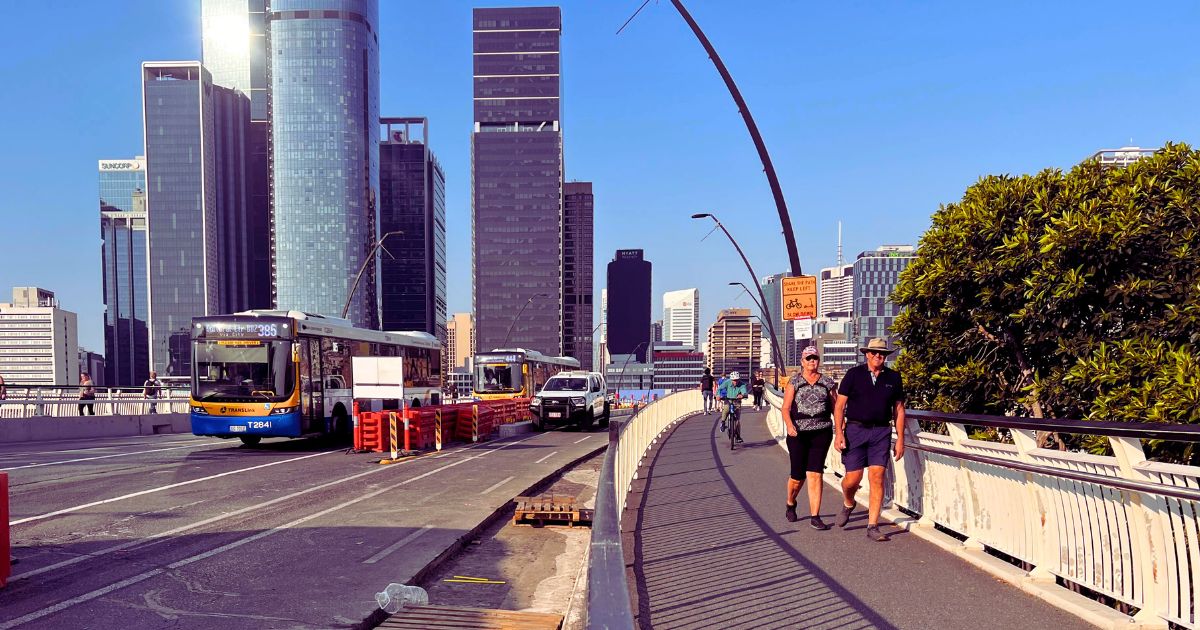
[[866, 445]]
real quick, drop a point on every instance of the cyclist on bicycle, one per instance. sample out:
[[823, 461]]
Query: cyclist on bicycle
[[734, 393]]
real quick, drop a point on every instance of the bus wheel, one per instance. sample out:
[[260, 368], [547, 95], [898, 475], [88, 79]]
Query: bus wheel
[[343, 429], [250, 440]]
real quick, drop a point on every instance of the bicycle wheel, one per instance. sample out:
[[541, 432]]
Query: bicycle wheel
[[734, 421]]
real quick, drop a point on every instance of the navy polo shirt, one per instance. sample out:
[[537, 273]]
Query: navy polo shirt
[[871, 403]]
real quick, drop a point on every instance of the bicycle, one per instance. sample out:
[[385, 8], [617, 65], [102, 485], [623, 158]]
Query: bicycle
[[735, 421]]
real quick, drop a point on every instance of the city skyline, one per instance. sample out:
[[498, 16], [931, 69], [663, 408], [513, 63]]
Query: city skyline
[[918, 104]]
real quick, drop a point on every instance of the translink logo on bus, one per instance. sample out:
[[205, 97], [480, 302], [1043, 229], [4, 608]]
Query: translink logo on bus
[[228, 409]]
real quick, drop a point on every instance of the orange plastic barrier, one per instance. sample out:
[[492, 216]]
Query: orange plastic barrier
[[5, 550]]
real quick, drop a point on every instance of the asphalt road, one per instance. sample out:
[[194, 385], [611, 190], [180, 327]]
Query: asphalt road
[[186, 532], [712, 549]]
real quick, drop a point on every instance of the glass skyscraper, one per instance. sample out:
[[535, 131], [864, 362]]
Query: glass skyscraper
[[516, 156], [235, 36], [181, 205], [876, 274], [578, 215], [325, 157], [412, 200], [123, 252], [629, 304]]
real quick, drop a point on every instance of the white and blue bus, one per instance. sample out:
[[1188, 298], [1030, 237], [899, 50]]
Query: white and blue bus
[[263, 374]]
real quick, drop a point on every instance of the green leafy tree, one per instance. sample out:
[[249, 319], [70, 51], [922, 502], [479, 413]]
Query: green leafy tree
[[1061, 295]]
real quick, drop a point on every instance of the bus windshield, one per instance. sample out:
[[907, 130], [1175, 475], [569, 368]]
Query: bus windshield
[[242, 370], [497, 377]]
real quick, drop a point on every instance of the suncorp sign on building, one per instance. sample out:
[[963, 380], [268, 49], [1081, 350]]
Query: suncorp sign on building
[[122, 165]]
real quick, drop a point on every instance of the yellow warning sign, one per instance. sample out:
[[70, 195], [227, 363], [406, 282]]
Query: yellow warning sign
[[799, 295]]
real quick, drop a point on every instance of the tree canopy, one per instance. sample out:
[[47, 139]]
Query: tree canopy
[[1059, 294]]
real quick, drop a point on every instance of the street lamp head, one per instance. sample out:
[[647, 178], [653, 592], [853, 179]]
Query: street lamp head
[[701, 215]]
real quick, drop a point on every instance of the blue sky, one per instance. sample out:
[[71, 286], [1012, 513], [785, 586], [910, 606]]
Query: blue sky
[[875, 113]]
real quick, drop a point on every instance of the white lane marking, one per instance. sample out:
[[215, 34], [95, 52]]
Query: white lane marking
[[546, 457], [162, 488], [583, 439], [162, 536], [90, 448], [498, 484], [88, 459], [141, 577], [398, 544]]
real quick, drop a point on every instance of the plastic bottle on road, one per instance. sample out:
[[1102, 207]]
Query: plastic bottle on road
[[397, 596]]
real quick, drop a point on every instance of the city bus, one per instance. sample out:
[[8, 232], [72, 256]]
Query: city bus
[[261, 374], [516, 373]]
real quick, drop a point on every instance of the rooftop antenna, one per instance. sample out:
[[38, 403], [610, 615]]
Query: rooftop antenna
[[840, 260]]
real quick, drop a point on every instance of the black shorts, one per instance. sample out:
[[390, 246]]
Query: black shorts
[[807, 450]]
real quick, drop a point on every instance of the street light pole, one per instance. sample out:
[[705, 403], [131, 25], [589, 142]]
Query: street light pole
[[363, 267], [777, 349], [621, 377], [753, 277], [518, 316]]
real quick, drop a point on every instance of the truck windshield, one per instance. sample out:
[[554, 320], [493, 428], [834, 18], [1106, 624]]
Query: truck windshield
[[242, 370], [567, 385], [497, 377]]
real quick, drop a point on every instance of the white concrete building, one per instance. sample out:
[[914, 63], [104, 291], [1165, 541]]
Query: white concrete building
[[39, 342], [681, 317], [835, 288]]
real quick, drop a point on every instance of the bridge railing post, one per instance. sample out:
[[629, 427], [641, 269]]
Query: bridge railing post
[[1146, 526]]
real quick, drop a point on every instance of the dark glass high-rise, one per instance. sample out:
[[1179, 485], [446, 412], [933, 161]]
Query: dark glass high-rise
[[516, 154], [123, 253], [578, 218], [412, 200], [629, 304]]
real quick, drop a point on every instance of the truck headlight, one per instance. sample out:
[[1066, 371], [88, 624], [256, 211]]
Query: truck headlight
[[578, 401], [535, 401]]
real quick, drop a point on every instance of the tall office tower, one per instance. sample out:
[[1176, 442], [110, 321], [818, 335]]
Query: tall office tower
[[325, 155], [656, 331], [517, 162], [92, 364], [681, 317], [578, 213], [734, 343], [460, 339], [412, 201], [235, 38], [123, 252], [235, 247], [181, 207], [629, 304], [39, 343], [836, 286], [876, 274]]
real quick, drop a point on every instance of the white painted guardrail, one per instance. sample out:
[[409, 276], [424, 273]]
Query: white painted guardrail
[[1119, 525], [63, 401]]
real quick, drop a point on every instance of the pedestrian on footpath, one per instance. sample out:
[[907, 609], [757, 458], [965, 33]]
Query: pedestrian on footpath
[[3, 389], [807, 409], [151, 390], [87, 394], [756, 387], [707, 388], [869, 397]]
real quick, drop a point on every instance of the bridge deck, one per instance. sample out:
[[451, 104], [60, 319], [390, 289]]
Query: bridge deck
[[709, 547]]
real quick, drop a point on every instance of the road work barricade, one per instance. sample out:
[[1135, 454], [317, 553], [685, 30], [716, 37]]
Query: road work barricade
[[5, 548], [370, 432]]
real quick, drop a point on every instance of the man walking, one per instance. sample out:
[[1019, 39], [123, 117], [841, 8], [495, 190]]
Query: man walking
[[151, 390], [869, 396], [756, 387], [707, 385]]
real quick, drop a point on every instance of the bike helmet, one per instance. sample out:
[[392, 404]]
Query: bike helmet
[[735, 376]]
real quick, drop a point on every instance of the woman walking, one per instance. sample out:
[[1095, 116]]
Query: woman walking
[[807, 417], [87, 394]]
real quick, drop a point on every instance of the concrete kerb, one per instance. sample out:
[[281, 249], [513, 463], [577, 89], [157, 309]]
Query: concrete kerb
[[378, 616]]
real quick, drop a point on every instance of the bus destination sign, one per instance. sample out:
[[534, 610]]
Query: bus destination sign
[[241, 330]]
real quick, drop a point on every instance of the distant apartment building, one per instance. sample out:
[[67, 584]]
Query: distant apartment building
[[677, 366], [517, 177], [681, 317], [92, 364], [1117, 158], [39, 343], [628, 324], [124, 276], [656, 331], [578, 270], [460, 340], [412, 201], [835, 288], [734, 342], [876, 274], [461, 380]]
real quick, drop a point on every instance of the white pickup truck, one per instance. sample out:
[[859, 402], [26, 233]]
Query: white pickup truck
[[571, 398]]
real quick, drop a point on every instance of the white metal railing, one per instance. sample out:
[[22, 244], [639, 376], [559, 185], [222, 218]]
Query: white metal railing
[[1118, 525], [23, 401], [643, 431]]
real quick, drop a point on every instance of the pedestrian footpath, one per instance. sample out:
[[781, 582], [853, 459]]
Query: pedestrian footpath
[[708, 547]]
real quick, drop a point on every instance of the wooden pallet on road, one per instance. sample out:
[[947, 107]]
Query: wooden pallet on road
[[551, 510], [459, 618]]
